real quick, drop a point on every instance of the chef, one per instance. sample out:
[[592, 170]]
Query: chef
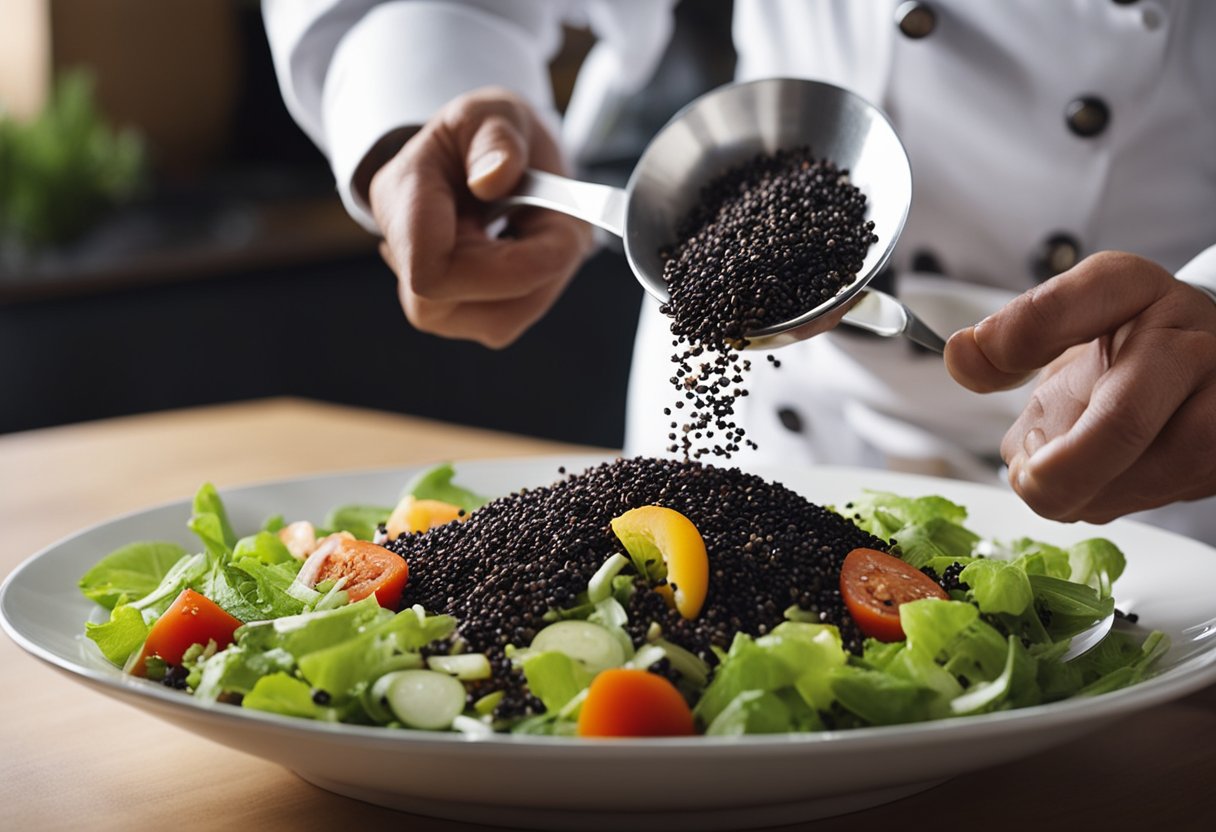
[[1064, 168]]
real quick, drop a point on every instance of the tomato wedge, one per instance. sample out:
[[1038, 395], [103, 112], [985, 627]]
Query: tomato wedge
[[874, 584], [624, 702], [191, 619], [368, 569]]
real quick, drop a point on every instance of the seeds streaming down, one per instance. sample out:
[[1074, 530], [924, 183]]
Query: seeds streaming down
[[520, 556], [767, 241]]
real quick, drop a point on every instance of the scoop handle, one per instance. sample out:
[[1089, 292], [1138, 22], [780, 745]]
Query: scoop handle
[[881, 314], [601, 205]]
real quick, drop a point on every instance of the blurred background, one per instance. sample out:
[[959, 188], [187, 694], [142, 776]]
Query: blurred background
[[169, 237]]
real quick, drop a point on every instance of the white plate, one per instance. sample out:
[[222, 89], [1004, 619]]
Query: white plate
[[701, 783]]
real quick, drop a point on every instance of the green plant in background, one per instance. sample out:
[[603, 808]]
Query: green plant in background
[[60, 171]]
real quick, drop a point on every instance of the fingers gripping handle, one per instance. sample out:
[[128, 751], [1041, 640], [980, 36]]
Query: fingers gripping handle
[[600, 205]]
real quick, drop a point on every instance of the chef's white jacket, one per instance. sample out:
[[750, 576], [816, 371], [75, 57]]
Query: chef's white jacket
[[984, 94]]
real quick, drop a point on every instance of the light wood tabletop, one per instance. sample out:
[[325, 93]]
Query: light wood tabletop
[[73, 759]]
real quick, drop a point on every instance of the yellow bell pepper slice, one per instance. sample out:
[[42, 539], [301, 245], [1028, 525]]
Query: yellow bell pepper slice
[[413, 515], [662, 542]]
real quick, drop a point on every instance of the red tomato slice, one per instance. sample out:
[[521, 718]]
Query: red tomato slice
[[368, 569], [874, 584], [191, 619]]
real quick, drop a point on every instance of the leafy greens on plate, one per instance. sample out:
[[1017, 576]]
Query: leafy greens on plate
[[314, 630]]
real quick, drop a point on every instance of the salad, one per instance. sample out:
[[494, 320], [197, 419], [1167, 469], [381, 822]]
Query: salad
[[929, 621]]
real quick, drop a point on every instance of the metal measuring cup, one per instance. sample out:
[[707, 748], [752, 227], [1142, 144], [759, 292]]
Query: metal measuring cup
[[724, 128]]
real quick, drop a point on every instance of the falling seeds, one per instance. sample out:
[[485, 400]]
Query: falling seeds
[[767, 241]]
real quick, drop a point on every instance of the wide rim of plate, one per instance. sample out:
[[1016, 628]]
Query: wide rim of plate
[[1190, 674]]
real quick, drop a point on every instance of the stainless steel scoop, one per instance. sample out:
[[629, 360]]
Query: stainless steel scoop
[[724, 128]]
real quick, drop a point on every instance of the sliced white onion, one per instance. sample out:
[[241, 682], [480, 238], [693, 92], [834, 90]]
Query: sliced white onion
[[306, 578], [472, 726]]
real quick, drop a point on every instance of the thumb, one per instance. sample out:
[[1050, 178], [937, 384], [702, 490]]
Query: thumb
[[968, 364], [1094, 298], [496, 158]]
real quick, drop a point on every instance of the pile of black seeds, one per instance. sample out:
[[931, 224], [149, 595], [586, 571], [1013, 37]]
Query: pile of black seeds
[[519, 557], [768, 240]]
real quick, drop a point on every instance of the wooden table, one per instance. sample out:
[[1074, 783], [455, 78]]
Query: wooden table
[[72, 759]]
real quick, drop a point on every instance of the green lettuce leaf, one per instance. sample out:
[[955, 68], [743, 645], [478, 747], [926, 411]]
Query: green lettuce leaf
[[1038, 558], [133, 571], [358, 519], [809, 652], [236, 670], [210, 520], [880, 698], [312, 631], [555, 678], [1069, 607], [917, 667], [752, 712], [436, 484], [882, 513], [933, 539], [389, 645], [264, 546], [952, 634], [252, 590], [281, 693], [1120, 651], [187, 572], [795, 659], [1015, 687], [998, 586], [1096, 562], [121, 636]]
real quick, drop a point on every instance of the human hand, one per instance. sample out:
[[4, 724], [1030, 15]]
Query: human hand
[[453, 279], [1123, 415]]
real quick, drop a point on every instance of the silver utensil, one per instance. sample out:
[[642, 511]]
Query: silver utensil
[[724, 128], [1088, 639]]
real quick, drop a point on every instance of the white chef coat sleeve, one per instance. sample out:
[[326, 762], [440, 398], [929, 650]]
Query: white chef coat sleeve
[[351, 71], [1201, 271]]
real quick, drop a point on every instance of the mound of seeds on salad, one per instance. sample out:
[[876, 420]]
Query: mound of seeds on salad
[[767, 241], [519, 557]]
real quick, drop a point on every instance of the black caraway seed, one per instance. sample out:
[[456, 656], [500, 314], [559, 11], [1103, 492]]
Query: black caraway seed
[[767, 241], [517, 558]]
